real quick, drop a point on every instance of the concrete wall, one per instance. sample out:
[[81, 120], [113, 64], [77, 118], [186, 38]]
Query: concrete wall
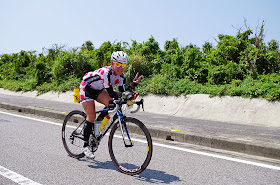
[[200, 106], [226, 109]]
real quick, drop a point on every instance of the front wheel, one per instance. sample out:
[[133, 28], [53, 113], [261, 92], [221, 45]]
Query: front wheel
[[131, 153], [72, 133]]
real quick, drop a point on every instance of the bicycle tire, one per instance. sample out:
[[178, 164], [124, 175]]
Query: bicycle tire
[[73, 141], [134, 159]]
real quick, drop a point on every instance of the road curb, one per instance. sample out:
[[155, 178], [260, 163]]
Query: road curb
[[258, 148]]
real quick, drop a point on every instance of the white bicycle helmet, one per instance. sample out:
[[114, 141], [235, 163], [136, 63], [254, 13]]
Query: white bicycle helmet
[[119, 56]]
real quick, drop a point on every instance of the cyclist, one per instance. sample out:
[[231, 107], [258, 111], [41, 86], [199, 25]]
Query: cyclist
[[98, 86]]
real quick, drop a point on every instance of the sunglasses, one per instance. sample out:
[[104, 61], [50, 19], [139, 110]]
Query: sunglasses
[[120, 65]]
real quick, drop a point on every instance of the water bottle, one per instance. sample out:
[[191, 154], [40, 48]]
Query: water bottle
[[76, 95], [97, 125], [104, 122]]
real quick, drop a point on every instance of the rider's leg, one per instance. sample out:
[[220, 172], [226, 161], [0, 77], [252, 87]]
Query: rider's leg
[[104, 98], [89, 107]]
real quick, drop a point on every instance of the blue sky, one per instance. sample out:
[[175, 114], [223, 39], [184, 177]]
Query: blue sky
[[35, 24]]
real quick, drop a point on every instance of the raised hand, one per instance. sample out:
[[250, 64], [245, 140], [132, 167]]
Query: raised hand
[[136, 79]]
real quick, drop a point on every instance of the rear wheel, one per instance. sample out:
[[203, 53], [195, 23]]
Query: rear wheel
[[72, 133], [131, 154]]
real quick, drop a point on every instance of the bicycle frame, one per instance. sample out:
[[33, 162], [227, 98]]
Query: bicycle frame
[[111, 122], [117, 114], [120, 115]]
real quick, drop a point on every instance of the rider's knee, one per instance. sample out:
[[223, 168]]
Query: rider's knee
[[111, 104], [91, 117]]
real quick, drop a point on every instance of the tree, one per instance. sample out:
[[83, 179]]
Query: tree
[[258, 44], [88, 45]]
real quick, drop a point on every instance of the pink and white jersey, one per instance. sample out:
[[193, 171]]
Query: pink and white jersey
[[103, 78], [105, 75]]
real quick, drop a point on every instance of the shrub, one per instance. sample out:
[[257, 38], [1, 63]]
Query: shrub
[[238, 65]]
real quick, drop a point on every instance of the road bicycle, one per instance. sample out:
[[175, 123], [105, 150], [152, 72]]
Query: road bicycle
[[130, 143]]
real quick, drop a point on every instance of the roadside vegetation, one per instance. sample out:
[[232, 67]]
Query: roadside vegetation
[[240, 65]]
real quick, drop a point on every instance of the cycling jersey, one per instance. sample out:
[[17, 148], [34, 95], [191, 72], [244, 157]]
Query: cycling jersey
[[95, 82]]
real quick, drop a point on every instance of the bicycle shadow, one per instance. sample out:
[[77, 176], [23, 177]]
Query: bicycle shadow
[[157, 177], [148, 175]]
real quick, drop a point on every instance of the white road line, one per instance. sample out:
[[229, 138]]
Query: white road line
[[17, 178], [220, 157], [177, 148], [35, 119]]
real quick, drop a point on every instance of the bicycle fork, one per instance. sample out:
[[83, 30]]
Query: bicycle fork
[[123, 124]]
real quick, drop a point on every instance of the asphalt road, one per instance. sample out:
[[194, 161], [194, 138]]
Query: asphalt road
[[32, 150]]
